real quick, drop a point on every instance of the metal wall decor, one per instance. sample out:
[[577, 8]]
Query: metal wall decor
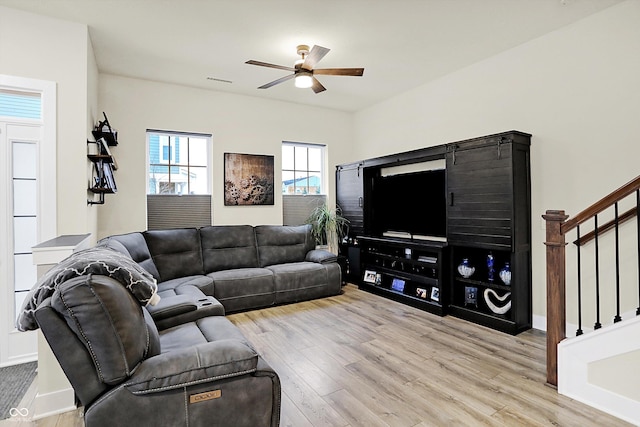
[[248, 179]]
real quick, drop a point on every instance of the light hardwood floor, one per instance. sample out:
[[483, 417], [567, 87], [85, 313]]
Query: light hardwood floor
[[361, 360]]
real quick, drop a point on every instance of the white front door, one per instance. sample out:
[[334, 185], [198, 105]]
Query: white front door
[[27, 200]]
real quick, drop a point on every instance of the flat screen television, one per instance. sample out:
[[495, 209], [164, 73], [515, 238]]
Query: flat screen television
[[414, 203]]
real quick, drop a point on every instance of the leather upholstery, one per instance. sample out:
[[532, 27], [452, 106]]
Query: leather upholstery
[[241, 266], [108, 321], [244, 288], [126, 372], [281, 244], [133, 245], [228, 247], [176, 253]]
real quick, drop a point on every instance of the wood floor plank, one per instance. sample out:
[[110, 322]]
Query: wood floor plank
[[358, 359]]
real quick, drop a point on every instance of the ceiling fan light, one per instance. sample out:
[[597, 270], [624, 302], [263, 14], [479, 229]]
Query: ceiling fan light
[[304, 80]]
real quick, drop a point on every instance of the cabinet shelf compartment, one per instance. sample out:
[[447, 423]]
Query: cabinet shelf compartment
[[514, 320], [407, 296], [430, 281], [418, 264]]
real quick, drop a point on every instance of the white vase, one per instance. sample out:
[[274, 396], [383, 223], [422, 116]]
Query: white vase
[[505, 274]]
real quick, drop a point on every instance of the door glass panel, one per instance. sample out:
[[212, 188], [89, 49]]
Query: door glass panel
[[25, 272], [25, 234], [24, 160], [24, 197]]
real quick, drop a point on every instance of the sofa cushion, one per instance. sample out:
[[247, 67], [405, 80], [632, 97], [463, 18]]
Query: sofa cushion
[[134, 246], [244, 288], [176, 253], [279, 244], [195, 285], [109, 322], [227, 247], [299, 281], [208, 329]]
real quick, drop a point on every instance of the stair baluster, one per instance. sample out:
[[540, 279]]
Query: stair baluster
[[597, 325], [579, 330], [617, 317], [638, 239]]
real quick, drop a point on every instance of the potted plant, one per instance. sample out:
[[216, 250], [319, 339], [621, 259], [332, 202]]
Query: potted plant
[[328, 226]]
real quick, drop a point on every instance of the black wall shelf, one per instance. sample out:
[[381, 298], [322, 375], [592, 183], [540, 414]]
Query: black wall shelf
[[103, 162]]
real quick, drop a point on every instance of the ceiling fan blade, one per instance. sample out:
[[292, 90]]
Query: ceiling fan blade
[[339, 71], [317, 86], [266, 64], [275, 82], [316, 54]]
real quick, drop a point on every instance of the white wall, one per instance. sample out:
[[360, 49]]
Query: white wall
[[43, 48], [239, 124], [576, 90]]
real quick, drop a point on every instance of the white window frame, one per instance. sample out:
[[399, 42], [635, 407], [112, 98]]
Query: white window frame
[[163, 161], [323, 168], [171, 150]]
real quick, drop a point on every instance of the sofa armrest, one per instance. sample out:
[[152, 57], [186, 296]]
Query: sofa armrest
[[321, 256], [205, 306], [192, 365], [172, 306]]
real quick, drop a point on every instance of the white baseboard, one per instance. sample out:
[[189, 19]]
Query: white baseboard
[[539, 322], [54, 403]]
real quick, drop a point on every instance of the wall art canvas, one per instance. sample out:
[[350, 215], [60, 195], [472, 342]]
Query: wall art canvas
[[248, 179]]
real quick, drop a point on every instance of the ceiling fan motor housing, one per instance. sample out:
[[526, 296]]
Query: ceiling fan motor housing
[[303, 50]]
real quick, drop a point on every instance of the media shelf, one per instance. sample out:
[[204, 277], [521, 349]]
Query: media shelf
[[494, 303], [405, 270], [477, 193]]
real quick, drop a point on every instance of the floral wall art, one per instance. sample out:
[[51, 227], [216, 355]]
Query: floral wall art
[[248, 179]]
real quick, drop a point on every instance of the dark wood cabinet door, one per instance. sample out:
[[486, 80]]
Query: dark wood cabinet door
[[350, 196], [480, 195]]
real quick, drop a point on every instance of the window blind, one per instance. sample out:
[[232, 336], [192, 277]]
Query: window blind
[[165, 211], [25, 105], [296, 209]]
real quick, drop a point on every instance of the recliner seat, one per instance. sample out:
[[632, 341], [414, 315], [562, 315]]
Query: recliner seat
[[127, 372]]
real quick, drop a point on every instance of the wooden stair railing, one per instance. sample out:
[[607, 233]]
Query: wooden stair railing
[[557, 227]]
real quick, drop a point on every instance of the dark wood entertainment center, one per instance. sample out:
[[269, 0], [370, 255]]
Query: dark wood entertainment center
[[484, 208]]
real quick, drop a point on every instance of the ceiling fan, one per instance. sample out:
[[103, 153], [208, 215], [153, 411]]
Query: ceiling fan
[[303, 70]]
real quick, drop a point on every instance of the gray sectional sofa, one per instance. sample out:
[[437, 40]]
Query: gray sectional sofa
[[126, 371], [230, 268], [137, 361]]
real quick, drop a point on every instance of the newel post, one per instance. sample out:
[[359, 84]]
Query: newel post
[[556, 272]]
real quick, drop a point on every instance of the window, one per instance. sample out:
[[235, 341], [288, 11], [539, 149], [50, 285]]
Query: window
[[302, 168], [178, 163], [25, 105]]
